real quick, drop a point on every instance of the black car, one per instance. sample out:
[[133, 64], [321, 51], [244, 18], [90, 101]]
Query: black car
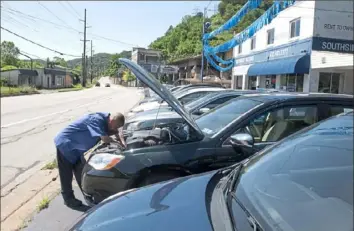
[[98, 84], [150, 96], [304, 182], [202, 144], [107, 85], [166, 116]]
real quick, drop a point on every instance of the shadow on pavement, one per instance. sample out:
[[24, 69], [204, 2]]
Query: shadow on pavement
[[57, 217]]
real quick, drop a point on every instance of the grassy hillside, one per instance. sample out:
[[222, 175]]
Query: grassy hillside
[[184, 39]]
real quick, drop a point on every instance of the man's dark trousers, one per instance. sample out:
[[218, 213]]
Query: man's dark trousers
[[66, 172]]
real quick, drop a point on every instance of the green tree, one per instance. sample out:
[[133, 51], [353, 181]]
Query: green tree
[[128, 76], [60, 61], [27, 64], [9, 53], [114, 65], [184, 40]]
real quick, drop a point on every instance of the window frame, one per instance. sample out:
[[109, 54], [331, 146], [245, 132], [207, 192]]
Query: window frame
[[330, 81], [271, 32], [253, 43], [266, 108], [294, 21], [239, 49]]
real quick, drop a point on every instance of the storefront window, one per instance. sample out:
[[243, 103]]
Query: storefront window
[[329, 83], [292, 82], [270, 81], [252, 82]]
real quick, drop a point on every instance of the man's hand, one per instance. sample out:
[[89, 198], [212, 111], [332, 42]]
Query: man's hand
[[106, 139]]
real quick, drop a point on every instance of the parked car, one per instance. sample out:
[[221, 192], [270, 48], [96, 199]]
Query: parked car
[[304, 182], [98, 84], [107, 85], [166, 116], [184, 97], [151, 96], [202, 144]]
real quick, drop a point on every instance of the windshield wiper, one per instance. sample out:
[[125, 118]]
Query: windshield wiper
[[235, 175]]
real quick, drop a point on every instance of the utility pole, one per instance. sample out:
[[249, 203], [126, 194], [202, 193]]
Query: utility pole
[[91, 62], [202, 68], [84, 70]]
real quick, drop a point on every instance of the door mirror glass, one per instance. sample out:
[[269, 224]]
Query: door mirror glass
[[242, 143], [203, 110]]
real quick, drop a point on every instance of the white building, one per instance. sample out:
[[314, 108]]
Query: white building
[[308, 47]]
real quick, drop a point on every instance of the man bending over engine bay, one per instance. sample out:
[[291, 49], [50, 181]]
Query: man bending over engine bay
[[76, 139]]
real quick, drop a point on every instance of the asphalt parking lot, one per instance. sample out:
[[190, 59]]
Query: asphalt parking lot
[[57, 217]]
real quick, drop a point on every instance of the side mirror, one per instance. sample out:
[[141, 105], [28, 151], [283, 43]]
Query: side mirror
[[243, 143], [203, 110]]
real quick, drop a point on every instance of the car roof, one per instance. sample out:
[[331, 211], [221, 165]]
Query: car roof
[[267, 97], [213, 89]]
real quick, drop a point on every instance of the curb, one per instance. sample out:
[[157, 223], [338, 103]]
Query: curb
[[26, 210]]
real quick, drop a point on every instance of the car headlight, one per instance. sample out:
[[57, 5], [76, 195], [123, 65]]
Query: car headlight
[[105, 161], [132, 127]]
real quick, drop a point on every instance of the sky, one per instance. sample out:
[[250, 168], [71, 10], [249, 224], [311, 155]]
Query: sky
[[57, 24]]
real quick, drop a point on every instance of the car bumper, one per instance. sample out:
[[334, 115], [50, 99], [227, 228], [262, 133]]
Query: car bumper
[[100, 184]]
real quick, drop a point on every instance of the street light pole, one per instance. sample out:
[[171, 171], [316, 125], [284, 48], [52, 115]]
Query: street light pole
[[202, 68]]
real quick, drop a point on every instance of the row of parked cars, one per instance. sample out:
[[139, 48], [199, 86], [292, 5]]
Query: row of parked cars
[[201, 157]]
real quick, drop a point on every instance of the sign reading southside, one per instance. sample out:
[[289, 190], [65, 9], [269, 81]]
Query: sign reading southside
[[333, 45]]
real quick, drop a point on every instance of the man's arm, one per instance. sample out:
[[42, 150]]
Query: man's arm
[[120, 137]]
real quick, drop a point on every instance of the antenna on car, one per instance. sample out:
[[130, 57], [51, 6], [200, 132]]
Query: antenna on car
[[157, 114]]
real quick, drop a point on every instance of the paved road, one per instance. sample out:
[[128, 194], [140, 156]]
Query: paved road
[[29, 124]]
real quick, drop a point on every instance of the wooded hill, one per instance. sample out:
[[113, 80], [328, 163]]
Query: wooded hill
[[185, 39]]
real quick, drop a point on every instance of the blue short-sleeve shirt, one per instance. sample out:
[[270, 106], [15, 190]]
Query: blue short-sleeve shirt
[[81, 135]]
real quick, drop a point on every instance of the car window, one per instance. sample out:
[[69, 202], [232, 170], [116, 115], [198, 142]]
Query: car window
[[274, 125], [192, 96], [338, 109], [219, 117], [219, 101]]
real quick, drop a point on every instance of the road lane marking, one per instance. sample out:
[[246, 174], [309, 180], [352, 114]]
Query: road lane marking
[[50, 114]]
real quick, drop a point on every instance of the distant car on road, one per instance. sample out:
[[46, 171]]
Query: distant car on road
[[98, 84], [107, 85]]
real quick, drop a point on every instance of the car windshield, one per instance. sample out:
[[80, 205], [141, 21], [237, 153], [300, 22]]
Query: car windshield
[[199, 101], [304, 182], [219, 117]]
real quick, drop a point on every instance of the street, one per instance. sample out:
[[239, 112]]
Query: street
[[29, 124]]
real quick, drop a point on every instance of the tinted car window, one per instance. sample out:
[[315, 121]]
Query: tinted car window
[[219, 101], [192, 96], [304, 182], [338, 109], [274, 125], [219, 117]]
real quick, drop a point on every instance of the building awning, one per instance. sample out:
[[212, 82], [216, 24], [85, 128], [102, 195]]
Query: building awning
[[240, 70], [291, 65]]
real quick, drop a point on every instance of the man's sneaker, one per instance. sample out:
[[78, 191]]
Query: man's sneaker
[[73, 203]]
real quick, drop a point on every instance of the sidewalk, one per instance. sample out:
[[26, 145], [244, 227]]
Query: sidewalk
[[57, 217]]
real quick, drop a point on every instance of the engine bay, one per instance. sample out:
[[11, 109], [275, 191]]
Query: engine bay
[[147, 138]]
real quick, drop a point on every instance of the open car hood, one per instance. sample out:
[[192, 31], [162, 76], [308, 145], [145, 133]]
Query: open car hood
[[162, 91]]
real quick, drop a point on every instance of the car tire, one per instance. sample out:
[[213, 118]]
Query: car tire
[[159, 177]]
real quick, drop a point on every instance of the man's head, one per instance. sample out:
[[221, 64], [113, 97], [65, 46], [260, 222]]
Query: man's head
[[116, 121]]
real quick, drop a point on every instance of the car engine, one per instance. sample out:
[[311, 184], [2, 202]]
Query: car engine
[[147, 138], [157, 136]]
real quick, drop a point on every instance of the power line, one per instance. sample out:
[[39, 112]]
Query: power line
[[26, 53], [113, 40], [61, 53], [37, 18], [73, 9], [53, 14], [65, 7]]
